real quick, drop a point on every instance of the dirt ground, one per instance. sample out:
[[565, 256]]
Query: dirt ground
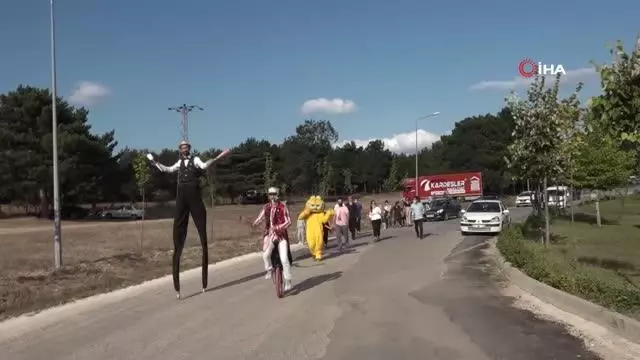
[[103, 256]]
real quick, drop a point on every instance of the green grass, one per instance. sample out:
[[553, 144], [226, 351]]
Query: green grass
[[601, 265], [613, 249]]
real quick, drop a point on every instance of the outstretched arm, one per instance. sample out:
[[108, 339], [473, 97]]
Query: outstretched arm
[[204, 165], [167, 169], [260, 218], [327, 216], [304, 214]]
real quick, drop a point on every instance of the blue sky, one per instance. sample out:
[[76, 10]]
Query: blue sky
[[252, 64]]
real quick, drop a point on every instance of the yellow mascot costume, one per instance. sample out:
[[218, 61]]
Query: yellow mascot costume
[[315, 216]]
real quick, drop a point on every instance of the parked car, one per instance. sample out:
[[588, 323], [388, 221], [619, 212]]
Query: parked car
[[443, 209], [71, 212], [123, 212], [524, 198], [484, 216], [253, 197]]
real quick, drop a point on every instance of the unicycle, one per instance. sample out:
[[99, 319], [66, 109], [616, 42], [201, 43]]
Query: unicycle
[[276, 271]]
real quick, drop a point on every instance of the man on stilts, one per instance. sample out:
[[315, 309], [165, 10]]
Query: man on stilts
[[188, 201]]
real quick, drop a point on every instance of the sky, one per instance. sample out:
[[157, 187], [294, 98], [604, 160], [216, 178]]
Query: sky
[[259, 68]]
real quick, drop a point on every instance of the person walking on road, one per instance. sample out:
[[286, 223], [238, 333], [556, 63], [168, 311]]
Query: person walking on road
[[398, 214], [342, 224], [353, 217], [407, 213], [300, 232], [188, 201], [386, 215], [417, 215], [358, 207], [326, 229], [375, 215]]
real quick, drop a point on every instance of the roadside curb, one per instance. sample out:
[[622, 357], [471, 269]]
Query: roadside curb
[[11, 327], [619, 324]]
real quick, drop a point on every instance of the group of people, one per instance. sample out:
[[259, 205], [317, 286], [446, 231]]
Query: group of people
[[397, 215], [314, 223]]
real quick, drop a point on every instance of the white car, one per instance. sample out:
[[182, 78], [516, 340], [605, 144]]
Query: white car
[[484, 216], [524, 198], [123, 212]]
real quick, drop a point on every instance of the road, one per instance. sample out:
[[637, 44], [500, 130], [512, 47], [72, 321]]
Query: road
[[402, 298]]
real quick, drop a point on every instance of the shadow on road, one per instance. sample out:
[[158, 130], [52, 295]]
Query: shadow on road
[[314, 281], [338, 253], [234, 282], [384, 238], [332, 245]]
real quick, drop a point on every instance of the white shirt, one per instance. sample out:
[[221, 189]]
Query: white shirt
[[173, 168], [375, 214]]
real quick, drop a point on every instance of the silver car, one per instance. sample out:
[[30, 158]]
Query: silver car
[[123, 212]]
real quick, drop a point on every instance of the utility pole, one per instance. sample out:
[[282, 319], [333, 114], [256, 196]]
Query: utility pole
[[57, 234], [417, 185], [184, 110]]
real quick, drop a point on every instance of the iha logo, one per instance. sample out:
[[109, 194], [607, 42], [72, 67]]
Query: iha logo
[[528, 68]]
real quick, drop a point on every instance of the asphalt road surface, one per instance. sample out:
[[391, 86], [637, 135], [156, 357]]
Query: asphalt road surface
[[402, 298]]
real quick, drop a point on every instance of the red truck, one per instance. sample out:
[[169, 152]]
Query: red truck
[[458, 185]]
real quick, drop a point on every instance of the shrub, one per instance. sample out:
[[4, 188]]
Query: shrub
[[563, 273]]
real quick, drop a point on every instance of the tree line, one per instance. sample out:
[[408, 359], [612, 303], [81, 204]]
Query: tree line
[[92, 171], [541, 138], [594, 146]]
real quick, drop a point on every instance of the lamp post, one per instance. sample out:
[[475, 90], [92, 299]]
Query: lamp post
[[418, 119], [57, 235], [184, 111]]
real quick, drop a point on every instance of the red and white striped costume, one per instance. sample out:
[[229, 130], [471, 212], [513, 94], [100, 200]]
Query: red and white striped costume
[[276, 218]]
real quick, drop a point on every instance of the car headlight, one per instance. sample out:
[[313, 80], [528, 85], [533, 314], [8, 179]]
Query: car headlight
[[440, 211], [495, 219], [464, 219]]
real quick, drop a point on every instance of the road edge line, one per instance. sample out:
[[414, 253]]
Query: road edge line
[[617, 323], [84, 304]]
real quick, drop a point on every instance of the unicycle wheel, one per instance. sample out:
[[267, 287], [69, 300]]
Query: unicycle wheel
[[279, 283]]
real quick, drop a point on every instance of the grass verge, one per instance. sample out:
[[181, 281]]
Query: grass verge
[[104, 256], [601, 265]]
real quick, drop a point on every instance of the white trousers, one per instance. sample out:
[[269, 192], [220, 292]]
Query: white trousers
[[284, 257], [300, 234]]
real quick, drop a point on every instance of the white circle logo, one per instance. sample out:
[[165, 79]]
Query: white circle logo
[[425, 184]]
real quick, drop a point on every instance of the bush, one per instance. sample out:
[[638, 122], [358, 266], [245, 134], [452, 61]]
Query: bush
[[565, 274]]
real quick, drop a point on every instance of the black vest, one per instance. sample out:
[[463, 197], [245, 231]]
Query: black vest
[[188, 173]]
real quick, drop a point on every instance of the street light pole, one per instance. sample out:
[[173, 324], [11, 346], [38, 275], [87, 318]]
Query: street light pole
[[57, 235], [184, 111], [415, 187]]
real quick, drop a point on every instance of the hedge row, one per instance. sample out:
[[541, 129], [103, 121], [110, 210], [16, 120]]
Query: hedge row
[[565, 274]]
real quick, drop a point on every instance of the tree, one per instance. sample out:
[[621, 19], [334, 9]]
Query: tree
[[348, 186], [304, 152], [391, 182], [85, 160], [142, 175], [618, 108], [325, 172], [602, 165], [479, 143], [270, 174], [542, 122]]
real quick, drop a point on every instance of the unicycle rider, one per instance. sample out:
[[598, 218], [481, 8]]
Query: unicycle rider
[[275, 216]]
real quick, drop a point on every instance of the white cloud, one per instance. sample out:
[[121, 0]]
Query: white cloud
[[333, 106], [402, 143], [572, 76], [88, 93]]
